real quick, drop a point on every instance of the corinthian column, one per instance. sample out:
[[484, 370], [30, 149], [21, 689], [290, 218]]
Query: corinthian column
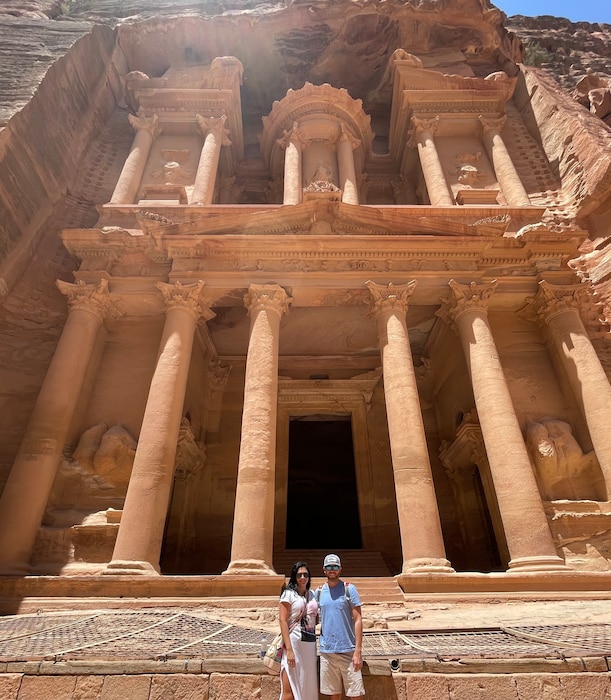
[[27, 489], [147, 131], [140, 535], [423, 136], [253, 519], [557, 307], [345, 159], [529, 539], [215, 136], [505, 170], [419, 525], [293, 177]]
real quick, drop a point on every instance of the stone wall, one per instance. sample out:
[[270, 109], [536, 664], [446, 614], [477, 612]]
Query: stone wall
[[243, 686]]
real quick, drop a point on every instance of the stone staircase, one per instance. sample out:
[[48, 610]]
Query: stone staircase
[[366, 570]]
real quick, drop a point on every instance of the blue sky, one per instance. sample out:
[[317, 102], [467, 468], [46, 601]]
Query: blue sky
[[576, 11]]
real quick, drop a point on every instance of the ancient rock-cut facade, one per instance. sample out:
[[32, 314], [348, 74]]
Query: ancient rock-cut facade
[[311, 261], [382, 262]]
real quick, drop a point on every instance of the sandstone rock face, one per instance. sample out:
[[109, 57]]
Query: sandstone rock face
[[568, 50]]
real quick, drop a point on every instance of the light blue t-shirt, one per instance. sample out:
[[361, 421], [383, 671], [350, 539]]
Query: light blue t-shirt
[[337, 626]]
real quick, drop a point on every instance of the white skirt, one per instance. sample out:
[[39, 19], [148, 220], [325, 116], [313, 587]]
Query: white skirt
[[302, 677]]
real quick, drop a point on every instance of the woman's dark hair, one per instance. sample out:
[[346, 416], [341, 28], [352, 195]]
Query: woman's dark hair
[[292, 584]]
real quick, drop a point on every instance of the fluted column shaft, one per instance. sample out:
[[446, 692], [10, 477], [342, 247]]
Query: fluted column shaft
[[253, 523], [419, 524], [28, 487], [138, 545], [129, 181], [558, 308], [505, 170], [347, 173], [423, 136], [293, 168], [529, 539], [215, 136]]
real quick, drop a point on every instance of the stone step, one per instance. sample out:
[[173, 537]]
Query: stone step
[[371, 589], [355, 562]]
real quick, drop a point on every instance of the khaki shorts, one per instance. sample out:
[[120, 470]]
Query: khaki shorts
[[337, 668]]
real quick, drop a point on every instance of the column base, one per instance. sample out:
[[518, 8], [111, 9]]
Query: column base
[[120, 567], [544, 563], [424, 565], [250, 567]]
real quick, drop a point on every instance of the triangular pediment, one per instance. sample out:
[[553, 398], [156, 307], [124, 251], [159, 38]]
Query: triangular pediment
[[322, 217]]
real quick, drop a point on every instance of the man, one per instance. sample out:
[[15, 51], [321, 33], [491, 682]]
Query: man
[[341, 634]]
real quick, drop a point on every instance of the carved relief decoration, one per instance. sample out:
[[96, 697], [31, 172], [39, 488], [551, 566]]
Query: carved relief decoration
[[93, 298]]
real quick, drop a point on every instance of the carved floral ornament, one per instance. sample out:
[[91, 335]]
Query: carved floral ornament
[[465, 298], [216, 126], [93, 298], [269, 297], [390, 296], [188, 297], [148, 124], [552, 299]]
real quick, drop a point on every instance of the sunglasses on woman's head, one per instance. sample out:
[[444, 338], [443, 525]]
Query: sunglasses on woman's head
[[300, 575], [332, 567]]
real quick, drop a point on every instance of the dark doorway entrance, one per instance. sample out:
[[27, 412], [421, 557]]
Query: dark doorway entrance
[[322, 501]]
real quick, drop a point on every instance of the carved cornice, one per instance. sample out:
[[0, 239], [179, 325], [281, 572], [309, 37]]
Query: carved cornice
[[465, 298], [94, 298], [390, 296], [343, 393], [188, 297], [270, 297]]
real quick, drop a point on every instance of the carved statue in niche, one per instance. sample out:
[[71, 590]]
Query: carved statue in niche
[[173, 171], [95, 478], [321, 181], [467, 171], [190, 454], [563, 471]]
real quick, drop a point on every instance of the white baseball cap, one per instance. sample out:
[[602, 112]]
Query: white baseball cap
[[332, 559]]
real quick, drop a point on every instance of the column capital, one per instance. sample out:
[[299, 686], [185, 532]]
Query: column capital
[[188, 297], [94, 298], [492, 124], [422, 125], [465, 298], [267, 296], [551, 300], [149, 124], [293, 135], [346, 135], [215, 125], [389, 296]]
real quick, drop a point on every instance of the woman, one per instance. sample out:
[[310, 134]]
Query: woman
[[298, 616]]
